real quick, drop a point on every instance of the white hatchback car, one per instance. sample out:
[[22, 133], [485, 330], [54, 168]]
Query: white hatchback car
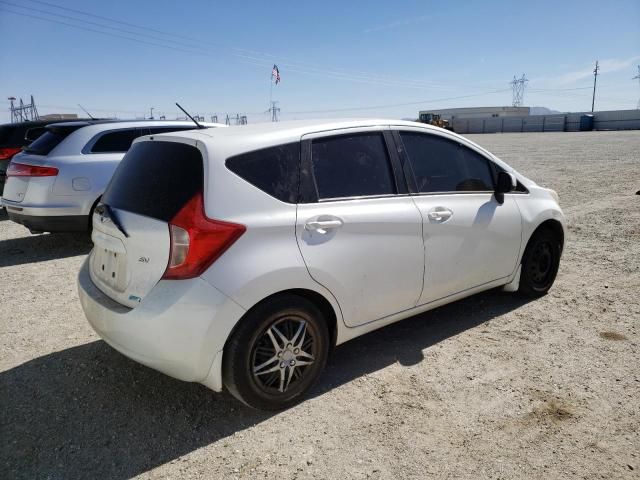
[[55, 183], [239, 257]]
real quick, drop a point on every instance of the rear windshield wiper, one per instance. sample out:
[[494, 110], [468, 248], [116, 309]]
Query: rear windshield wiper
[[104, 210]]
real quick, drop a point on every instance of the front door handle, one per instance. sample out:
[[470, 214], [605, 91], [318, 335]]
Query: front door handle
[[440, 214], [322, 226]]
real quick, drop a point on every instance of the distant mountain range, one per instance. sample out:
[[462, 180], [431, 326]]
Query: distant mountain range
[[542, 111]]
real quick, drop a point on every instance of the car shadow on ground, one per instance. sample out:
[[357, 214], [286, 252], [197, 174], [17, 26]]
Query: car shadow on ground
[[89, 412], [38, 248]]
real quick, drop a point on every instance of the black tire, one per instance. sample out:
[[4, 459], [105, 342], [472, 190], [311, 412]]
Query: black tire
[[540, 263], [251, 346]]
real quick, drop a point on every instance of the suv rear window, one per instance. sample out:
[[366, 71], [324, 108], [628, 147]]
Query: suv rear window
[[46, 142], [156, 179], [273, 170], [51, 138]]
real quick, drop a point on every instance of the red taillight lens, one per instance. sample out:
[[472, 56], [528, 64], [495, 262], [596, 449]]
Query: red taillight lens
[[22, 170], [197, 241], [7, 153]]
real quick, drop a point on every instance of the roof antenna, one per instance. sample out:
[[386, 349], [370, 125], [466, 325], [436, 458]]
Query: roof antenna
[[85, 111], [187, 114]]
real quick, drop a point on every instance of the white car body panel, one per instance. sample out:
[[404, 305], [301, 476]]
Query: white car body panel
[[458, 249], [411, 265]]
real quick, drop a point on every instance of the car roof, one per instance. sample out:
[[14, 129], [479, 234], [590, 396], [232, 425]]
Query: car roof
[[244, 138], [304, 127], [38, 123], [133, 123]]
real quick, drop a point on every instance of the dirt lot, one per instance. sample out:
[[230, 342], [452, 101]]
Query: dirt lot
[[490, 387]]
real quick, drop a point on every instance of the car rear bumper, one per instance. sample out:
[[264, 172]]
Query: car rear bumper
[[54, 218], [58, 223], [179, 328]]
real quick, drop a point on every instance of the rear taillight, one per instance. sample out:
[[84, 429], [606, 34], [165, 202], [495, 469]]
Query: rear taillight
[[23, 170], [7, 153], [197, 241]]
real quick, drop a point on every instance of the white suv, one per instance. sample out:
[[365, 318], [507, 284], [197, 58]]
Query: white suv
[[54, 184], [239, 257]]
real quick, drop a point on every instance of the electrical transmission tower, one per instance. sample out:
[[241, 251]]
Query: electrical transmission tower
[[23, 113], [237, 120], [637, 77], [518, 84], [274, 111]]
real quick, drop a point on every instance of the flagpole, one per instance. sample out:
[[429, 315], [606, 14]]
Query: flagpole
[[270, 90]]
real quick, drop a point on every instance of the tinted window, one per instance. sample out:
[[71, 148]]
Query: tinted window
[[46, 142], [273, 170], [442, 165], [117, 142], [352, 166], [156, 179]]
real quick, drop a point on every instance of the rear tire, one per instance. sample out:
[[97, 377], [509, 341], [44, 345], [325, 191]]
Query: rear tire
[[540, 263], [277, 353]]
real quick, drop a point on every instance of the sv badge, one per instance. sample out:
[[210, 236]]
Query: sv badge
[[143, 259]]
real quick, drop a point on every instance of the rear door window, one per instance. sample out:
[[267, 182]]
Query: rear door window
[[273, 170], [156, 179], [118, 141], [355, 165], [443, 165]]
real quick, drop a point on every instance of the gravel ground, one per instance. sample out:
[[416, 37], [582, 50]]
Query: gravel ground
[[489, 387]]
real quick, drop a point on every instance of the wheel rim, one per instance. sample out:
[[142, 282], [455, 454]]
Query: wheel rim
[[541, 264], [283, 355]]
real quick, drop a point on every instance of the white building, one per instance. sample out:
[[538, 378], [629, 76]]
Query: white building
[[477, 112]]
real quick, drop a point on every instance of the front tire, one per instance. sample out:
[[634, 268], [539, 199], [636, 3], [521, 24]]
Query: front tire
[[277, 353], [540, 263]]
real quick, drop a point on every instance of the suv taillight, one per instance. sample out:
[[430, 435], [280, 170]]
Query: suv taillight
[[197, 241], [7, 153], [23, 170]]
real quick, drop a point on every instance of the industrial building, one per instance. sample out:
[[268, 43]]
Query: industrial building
[[452, 114]]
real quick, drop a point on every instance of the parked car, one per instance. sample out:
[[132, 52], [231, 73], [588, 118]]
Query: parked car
[[56, 182], [14, 136], [239, 257]]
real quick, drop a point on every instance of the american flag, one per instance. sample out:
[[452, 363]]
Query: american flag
[[275, 73]]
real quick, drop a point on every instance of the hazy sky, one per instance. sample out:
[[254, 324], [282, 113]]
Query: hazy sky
[[335, 58]]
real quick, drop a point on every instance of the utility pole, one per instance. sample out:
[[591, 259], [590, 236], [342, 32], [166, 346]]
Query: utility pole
[[151, 115], [637, 77], [518, 84], [595, 79]]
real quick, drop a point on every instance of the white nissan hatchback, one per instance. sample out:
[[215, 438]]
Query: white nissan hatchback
[[239, 257]]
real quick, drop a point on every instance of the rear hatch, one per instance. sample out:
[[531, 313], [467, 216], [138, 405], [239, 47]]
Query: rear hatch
[[35, 155], [131, 232]]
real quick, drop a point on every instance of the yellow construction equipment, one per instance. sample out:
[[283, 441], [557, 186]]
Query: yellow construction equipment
[[435, 120]]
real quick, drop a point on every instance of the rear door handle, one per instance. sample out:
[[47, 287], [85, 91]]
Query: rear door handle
[[322, 226], [440, 214]]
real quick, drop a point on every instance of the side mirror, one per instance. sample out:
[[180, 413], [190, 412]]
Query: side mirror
[[506, 183]]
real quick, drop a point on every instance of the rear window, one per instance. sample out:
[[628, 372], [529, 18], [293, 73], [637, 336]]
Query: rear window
[[46, 142], [273, 170], [156, 179]]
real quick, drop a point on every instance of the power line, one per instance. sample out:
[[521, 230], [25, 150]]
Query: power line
[[245, 54], [393, 105]]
